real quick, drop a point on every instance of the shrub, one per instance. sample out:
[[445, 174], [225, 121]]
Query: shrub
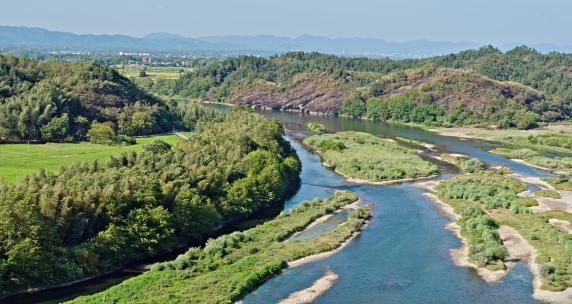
[[316, 128]]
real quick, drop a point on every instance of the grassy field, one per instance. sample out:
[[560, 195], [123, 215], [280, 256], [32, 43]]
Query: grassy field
[[368, 157], [232, 265], [154, 73], [17, 160]]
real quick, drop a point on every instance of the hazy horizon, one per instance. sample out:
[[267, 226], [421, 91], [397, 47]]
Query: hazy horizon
[[485, 22]]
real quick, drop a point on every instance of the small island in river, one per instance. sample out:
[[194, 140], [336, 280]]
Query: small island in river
[[366, 158]]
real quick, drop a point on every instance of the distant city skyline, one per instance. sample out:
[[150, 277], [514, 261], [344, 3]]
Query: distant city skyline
[[485, 21]]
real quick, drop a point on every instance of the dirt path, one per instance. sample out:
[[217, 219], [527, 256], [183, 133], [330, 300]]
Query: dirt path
[[181, 135], [310, 294]]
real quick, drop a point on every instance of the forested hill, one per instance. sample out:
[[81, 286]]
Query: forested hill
[[92, 217], [514, 89], [59, 100]]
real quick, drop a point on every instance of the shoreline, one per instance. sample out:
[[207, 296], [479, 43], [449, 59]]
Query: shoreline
[[323, 218], [519, 249], [326, 254], [460, 256], [310, 294], [380, 183], [522, 161]]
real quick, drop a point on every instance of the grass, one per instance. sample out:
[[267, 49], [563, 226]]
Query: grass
[[498, 195], [548, 193], [17, 160], [368, 157], [229, 267], [554, 163], [552, 151], [554, 247], [468, 165], [153, 73]]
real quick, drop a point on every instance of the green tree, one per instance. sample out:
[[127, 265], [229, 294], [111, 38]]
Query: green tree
[[353, 107], [142, 122], [101, 133], [57, 128], [525, 120]]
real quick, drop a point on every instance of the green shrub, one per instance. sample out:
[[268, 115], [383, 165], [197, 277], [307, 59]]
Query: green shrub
[[316, 128]]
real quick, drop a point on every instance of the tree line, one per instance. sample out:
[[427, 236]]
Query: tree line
[[91, 217], [385, 89]]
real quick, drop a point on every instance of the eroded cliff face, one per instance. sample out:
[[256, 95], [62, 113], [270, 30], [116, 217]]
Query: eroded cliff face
[[319, 93], [324, 94]]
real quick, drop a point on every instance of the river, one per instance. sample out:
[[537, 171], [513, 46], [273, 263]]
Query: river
[[403, 254]]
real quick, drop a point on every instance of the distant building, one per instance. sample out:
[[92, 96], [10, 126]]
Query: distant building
[[146, 59]]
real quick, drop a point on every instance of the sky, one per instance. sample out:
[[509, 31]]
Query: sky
[[482, 21]]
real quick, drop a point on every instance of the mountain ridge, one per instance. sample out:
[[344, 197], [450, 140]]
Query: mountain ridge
[[18, 37]]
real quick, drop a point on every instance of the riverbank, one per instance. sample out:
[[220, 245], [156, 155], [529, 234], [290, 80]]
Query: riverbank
[[519, 249], [310, 294], [326, 254], [324, 218], [233, 265], [460, 256]]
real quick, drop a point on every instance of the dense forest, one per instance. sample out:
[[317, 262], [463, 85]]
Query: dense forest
[[518, 88], [61, 101], [94, 216]]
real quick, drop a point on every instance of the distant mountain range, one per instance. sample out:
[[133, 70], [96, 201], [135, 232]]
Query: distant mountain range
[[27, 38]]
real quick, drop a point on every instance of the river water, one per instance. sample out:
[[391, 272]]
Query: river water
[[401, 257]]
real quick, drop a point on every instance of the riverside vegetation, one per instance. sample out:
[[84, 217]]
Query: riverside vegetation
[[551, 151], [367, 157], [487, 200], [232, 265], [91, 217]]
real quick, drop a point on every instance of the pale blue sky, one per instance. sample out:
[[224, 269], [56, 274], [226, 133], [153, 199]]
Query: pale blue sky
[[485, 21]]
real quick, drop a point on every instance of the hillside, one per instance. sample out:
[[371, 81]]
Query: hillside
[[518, 88], [59, 100]]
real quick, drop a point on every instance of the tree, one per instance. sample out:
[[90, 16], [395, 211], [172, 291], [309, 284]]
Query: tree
[[195, 215], [525, 120], [353, 107], [142, 122], [376, 89], [101, 133], [57, 128]]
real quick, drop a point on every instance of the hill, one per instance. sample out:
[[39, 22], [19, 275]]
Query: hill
[[514, 89], [59, 100]]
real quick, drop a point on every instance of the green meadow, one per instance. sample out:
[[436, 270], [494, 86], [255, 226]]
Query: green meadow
[[154, 73], [17, 160]]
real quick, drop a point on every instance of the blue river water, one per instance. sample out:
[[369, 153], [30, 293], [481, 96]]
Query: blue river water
[[403, 254]]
